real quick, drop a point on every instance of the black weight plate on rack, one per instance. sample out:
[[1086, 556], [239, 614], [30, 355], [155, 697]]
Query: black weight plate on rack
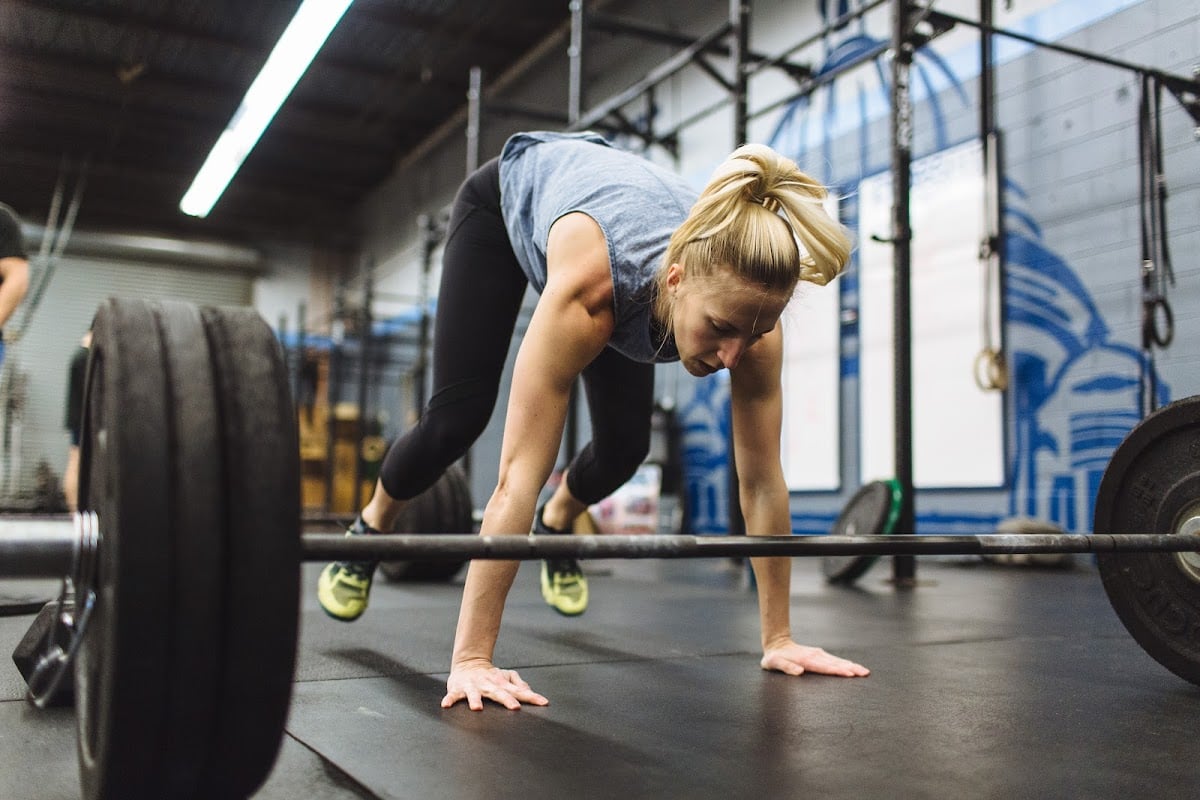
[[418, 516], [454, 515], [462, 508], [444, 507], [1152, 485], [121, 680], [871, 511], [261, 598]]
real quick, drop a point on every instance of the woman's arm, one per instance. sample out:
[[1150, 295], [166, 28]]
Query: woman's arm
[[757, 401], [14, 282], [757, 404], [571, 324]]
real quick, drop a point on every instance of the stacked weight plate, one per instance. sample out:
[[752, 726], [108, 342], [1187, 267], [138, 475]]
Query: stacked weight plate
[[188, 458]]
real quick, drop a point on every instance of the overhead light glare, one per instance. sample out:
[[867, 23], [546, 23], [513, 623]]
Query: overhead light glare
[[294, 51]]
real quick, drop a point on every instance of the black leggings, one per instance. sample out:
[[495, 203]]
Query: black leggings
[[480, 297]]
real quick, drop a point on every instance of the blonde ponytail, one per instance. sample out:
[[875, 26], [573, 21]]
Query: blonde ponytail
[[764, 218]]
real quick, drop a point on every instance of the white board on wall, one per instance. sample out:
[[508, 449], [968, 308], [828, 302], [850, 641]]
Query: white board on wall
[[958, 429], [811, 382], [811, 416]]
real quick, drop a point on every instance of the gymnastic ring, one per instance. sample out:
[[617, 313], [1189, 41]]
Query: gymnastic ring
[[990, 370]]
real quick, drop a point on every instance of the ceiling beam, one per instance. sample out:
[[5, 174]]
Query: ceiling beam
[[100, 76], [148, 199], [459, 27], [256, 47]]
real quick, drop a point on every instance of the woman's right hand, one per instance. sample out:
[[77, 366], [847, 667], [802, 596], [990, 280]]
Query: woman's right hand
[[476, 680]]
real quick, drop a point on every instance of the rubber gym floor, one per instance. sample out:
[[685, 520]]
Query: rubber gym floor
[[988, 682]]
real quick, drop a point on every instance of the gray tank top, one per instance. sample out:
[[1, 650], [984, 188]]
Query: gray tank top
[[637, 205]]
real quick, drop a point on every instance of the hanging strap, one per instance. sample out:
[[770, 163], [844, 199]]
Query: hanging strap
[[1157, 274]]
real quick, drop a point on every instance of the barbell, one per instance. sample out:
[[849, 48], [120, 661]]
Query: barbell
[[181, 597], [47, 548]]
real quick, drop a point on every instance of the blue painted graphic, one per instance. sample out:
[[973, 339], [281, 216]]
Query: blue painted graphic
[[1075, 389], [704, 422]]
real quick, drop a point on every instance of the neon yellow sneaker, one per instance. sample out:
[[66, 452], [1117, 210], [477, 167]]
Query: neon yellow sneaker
[[564, 587], [345, 586]]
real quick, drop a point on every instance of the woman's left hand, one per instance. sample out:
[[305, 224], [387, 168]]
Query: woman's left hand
[[796, 659]]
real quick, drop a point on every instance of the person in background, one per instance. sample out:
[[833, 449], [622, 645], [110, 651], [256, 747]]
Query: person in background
[[75, 380], [632, 268], [14, 268]]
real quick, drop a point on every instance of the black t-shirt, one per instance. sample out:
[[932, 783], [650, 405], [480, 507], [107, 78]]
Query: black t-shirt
[[11, 243], [75, 391]]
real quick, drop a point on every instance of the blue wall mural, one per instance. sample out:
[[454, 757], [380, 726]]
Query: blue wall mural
[[704, 428]]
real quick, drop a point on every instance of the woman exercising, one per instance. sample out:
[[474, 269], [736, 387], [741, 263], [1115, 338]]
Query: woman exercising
[[632, 269]]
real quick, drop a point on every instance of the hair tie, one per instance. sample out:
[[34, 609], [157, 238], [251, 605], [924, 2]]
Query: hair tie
[[770, 204]]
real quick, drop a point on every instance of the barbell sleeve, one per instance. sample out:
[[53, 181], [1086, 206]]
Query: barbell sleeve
[[37, 548]]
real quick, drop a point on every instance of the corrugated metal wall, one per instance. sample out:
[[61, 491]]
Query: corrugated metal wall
[[33, 380]]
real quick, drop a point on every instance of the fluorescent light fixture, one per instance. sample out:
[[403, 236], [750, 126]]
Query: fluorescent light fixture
[[294, 51]]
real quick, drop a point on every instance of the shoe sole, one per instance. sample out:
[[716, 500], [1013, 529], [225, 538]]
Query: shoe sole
[[339, 618], [567, 613], [547, 596], [331, 614]]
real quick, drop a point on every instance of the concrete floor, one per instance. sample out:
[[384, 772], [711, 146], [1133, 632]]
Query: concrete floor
[[988, 682]]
